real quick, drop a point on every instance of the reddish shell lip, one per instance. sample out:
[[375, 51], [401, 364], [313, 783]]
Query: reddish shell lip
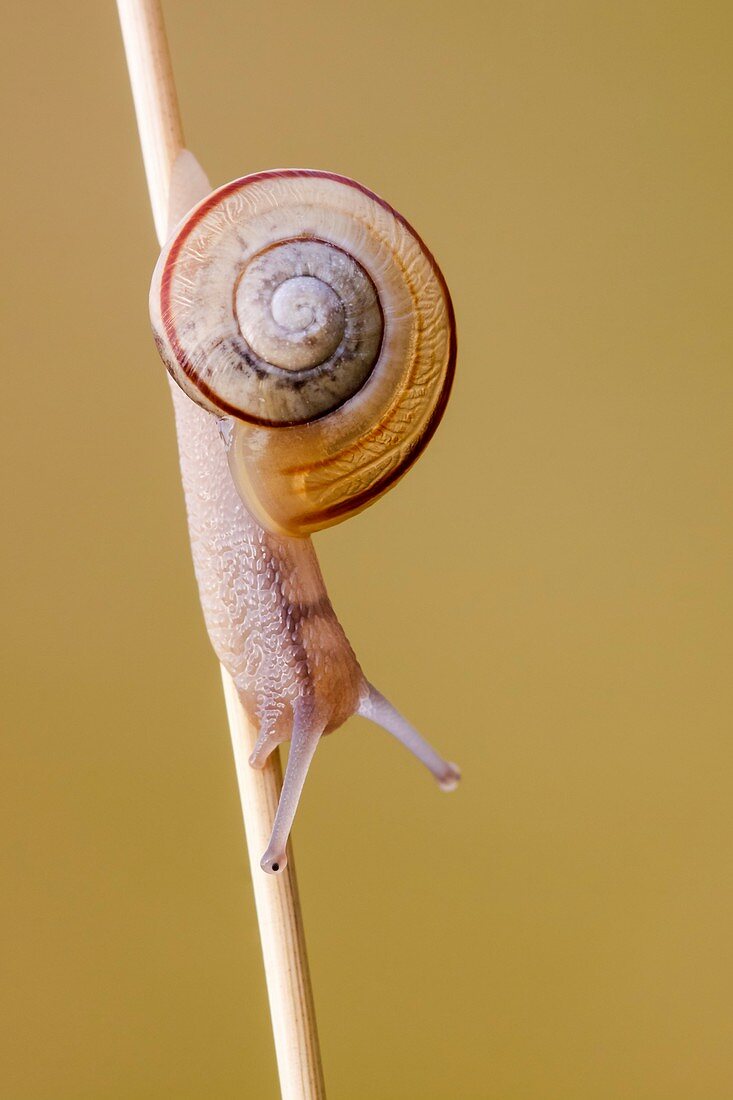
[[174, 250]]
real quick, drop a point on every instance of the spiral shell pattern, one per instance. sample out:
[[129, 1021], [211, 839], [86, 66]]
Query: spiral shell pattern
[[305, 308]]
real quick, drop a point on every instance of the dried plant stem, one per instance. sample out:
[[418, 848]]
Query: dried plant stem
[[276, 897], [279, 916]]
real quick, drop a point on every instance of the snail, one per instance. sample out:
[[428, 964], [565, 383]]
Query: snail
[[310, 341]]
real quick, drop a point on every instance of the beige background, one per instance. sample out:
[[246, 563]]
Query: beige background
[[548, 594]]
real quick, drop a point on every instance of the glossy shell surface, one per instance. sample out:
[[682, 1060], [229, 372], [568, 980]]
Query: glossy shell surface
[[304, 308]]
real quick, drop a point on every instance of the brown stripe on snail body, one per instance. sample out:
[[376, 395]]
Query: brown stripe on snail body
[[255, 485], [302, 306]]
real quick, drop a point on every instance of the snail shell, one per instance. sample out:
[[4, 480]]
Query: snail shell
[[303, 307]]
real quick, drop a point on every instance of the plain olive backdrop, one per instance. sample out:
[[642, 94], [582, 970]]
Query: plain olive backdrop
[[547, 595]]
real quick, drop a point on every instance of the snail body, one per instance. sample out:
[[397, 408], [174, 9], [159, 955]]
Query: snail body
[[270, 452]]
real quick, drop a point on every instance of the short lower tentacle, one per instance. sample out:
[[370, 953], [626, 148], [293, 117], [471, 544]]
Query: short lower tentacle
[[265, 744]]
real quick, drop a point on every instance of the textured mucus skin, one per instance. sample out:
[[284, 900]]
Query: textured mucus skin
[[266, 609]]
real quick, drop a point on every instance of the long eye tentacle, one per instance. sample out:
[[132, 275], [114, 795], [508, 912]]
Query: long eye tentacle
[[379, 710], [304, 742]]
